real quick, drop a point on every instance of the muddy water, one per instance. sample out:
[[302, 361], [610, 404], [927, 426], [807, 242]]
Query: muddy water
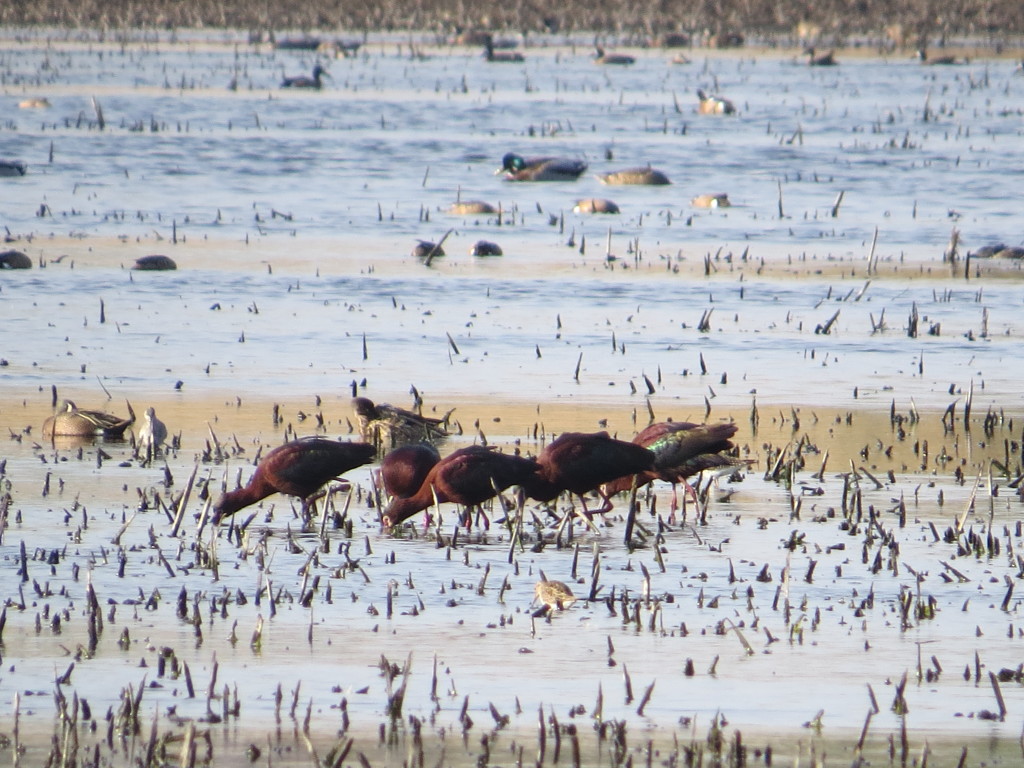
[[838, 585]]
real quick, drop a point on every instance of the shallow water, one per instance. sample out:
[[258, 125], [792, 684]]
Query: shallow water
[[266, 310]]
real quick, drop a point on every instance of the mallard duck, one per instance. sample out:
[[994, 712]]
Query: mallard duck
[[14, 260], [303, 81], [155, 263], [506, 57], [988, 251], [646, 175], [425, 248], [471, 208], [822, 60], [719, 200], [69, 421], [517, 168], [924, 58], [485, 248], [595, 205], [714, 105], [387, 427], [621, 59], [12, 168]]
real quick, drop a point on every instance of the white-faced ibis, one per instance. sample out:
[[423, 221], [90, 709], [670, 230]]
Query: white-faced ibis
[[386, 426], [681, 450], [298, 468], [469, 476], [70, 421], [582, 462], [517, 168], [403, 470]]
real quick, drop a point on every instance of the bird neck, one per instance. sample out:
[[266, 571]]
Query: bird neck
[[232, 501]]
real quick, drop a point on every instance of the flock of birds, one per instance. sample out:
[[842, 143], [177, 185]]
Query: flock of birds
[[414, 476]]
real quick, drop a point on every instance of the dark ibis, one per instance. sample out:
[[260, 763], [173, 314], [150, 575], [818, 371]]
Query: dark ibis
[[298, 468], [681, 450], [469, 476], [582, 462], [403, 470]]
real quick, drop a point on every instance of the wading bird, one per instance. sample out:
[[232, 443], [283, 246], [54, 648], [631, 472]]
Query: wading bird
[[469, 477], [403, 470], [582, 462], [152, 435], [681, 450], [298, 468]]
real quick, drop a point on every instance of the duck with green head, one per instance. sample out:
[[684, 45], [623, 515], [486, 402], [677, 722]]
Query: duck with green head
[[518, 168]]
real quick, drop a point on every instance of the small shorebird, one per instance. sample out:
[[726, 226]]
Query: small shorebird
[[152, 435], [554, 595]]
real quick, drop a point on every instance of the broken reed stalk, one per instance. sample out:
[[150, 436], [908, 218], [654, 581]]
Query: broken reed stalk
[[436, 249], [183, 501]]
